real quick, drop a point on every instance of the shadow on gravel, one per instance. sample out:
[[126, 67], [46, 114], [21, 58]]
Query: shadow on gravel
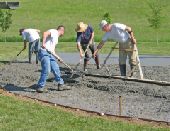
[[67, 80], [13, 61], [14, 88]]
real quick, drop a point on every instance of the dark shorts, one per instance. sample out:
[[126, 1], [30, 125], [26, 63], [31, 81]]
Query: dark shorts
[[92, 48]]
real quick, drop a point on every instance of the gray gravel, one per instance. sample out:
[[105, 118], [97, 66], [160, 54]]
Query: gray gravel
[[96, 94]]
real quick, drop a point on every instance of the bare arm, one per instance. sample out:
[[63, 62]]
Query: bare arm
[[100, 45], [129, 30], [79, 49], [45, 35]]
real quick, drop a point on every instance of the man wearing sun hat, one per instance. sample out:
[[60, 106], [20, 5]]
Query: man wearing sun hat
[[124, 36], [85, 39]]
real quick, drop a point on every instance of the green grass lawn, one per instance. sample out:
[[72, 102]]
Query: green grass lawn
[[17, 114], [46, 14]]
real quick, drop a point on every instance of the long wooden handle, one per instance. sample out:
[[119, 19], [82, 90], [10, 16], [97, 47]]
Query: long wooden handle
[[59, 60], [110, 53], [20, 52], [139, 66]]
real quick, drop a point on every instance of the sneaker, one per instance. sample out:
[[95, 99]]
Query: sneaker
[[62, 87], [41, 90]]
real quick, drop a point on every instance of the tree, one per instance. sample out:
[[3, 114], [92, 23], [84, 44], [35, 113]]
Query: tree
[[155, 18], [5, 20], [106, 17]]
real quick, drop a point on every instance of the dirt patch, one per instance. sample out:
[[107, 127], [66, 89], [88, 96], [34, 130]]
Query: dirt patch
[[139, 100]]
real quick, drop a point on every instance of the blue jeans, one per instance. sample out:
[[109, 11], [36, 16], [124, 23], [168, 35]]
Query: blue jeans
[[48, 64]]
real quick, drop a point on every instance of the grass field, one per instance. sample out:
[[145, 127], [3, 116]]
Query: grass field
[[45, 14], [17, 114]]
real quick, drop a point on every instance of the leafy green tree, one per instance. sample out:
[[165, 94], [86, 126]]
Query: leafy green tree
[[107, 17], [5, 20], [155, 19]]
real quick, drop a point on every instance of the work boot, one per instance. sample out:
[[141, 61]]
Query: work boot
[[97, 62], [98, 66], [122, 70], [85, 65], [34, 86], [41, 90], [62, 87], [30, 62]]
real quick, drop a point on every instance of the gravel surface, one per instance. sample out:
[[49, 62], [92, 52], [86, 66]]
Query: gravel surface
[[140, 100]]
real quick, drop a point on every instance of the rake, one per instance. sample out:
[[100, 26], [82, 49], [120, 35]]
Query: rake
[[82, 57], [105, 61], [20, 52], [73, 72], [60, 60]]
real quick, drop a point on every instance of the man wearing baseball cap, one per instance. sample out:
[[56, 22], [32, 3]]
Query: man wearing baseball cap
[[85, 39], [31, 36], [122, 34]]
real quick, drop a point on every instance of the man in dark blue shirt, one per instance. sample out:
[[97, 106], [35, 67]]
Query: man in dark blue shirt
[[85, 40]]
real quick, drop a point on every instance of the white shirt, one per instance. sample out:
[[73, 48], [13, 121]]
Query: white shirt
[[52, 40], [30, 35], [117, 33]]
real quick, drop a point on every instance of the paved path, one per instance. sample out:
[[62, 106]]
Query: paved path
[[146, 60]]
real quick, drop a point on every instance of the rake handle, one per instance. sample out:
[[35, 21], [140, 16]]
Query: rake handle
[[60, 60], [110, 53], [20, 52]]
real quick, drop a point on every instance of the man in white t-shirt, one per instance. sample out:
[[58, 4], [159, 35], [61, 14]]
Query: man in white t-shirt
[[48, 61], [31, 36], [124, 36]]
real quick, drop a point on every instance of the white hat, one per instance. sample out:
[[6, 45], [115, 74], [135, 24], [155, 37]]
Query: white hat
[[102, 24], [81, 27]]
